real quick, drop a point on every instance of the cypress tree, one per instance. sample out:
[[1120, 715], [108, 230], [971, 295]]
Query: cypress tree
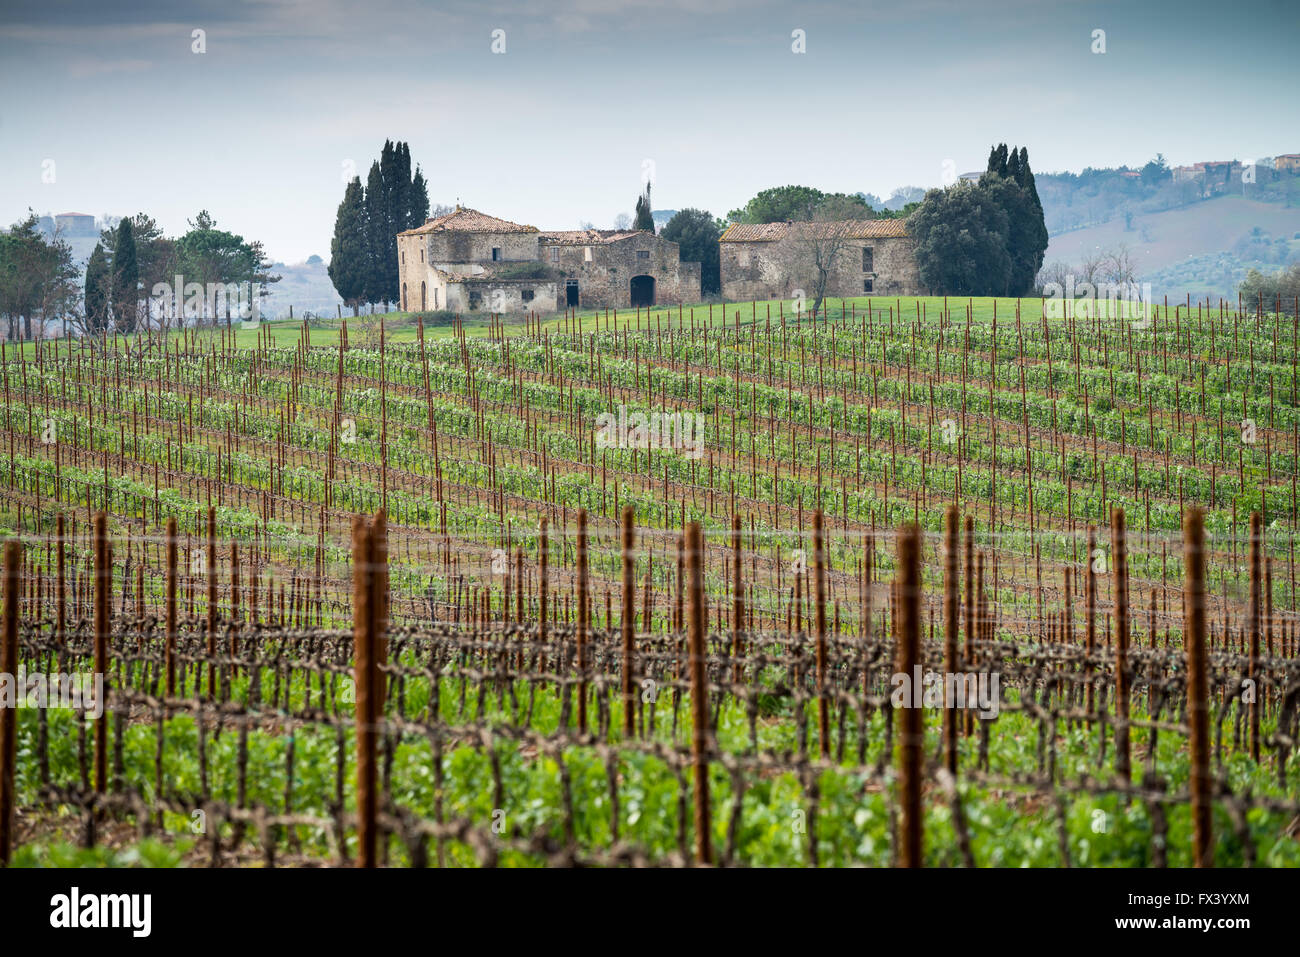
[[644, 219], [1036, 245], [97, 283], [126, 277], [419, 199], [394, 214], [376, 229], [402, 188], [349, 260]]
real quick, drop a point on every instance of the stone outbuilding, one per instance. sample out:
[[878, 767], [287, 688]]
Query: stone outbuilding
[[772, 260], [467, 261]]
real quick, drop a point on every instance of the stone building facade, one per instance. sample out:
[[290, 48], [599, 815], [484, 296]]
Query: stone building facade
[[467, 261], [772, 260]]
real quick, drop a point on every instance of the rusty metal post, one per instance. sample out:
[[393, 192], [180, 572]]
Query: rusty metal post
[[629, 610], [1198, 703], [9, 716], [699, 694], [542, 595], [1119, 558], [583, 620], [210, 570], [170, 652], [363, 633], [737, 598], [60, 612], [819, 595], [951, 587], [911, 731], [103, 582], [1252, 669], [379, 531]]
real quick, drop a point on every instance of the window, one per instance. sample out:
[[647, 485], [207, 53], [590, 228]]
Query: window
[[555, 254], [496, 253], [421, 255], [526, 295], [643, 254], [868, 259], [586, 253], [866, 285], [403, 257], [475, 299]]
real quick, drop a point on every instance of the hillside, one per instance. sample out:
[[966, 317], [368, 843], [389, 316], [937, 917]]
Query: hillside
[[1205, 248]]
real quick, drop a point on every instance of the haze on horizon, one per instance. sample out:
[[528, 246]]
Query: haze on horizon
[[261, 127]]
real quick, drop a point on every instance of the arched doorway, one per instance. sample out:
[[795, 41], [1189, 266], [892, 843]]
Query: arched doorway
[[643, 290], [424, 303], [405, 304]]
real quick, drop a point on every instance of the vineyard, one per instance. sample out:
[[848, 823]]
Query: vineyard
[[663, 587]]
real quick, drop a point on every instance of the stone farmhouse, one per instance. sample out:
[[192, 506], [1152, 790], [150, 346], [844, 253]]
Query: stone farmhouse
[[467, 261], [770, 260]]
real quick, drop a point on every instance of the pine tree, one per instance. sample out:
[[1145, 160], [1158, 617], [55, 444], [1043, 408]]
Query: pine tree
[[349, 249], [126, 278], [644, 219], [97, 288]]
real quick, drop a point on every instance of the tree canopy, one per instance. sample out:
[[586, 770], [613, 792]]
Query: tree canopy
[[696, 233], [37, 278], [987, 238], [796, 204]]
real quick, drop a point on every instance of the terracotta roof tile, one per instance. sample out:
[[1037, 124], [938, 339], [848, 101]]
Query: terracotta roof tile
[[465, 220]]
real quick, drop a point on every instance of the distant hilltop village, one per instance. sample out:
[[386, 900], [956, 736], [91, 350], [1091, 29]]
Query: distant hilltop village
[[468, 261], [1216, 176]]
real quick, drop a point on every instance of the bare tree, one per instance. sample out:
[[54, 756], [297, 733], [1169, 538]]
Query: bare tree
[[812, 251], [1119, 266], [1058, 272], [1091, 267]]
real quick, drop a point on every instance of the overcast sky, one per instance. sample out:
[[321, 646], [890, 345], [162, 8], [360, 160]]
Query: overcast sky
[[116, 108]]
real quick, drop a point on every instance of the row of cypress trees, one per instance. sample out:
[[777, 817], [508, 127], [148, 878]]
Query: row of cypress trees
[[363, 252]]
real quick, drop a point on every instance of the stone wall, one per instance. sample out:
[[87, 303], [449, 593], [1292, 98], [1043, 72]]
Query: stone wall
[[450, 246], [756, 270], [501, 295], [606, 278]]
